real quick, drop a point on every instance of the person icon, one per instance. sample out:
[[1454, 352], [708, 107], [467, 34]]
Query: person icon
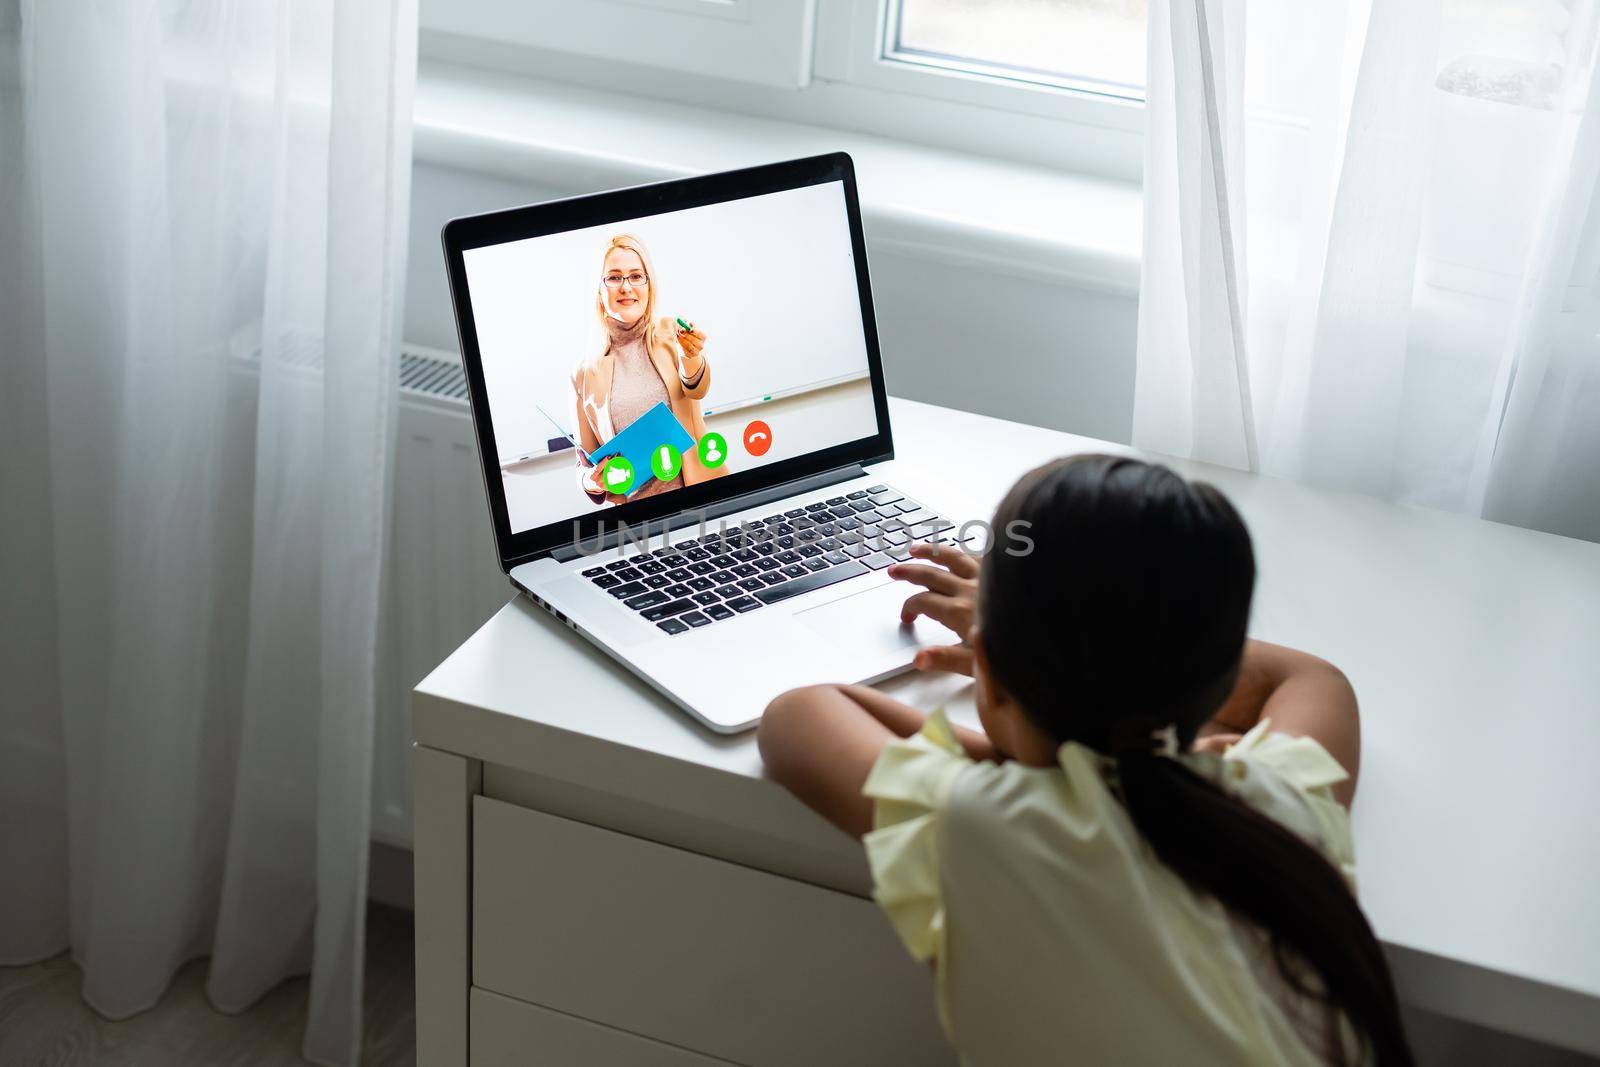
[[713, 450]]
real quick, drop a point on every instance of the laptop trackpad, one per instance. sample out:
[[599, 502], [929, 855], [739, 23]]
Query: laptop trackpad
[[869, 622]]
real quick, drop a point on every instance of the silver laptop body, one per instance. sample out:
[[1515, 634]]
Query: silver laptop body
[[758, 562]]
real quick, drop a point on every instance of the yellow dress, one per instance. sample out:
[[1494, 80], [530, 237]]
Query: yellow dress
[[1057, 935]]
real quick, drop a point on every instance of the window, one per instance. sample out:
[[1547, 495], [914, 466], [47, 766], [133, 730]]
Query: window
[[1091, 45], [1078, 60], [1057, 83]]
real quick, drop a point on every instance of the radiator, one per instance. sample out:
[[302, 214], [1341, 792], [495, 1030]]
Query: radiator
[[441, 581]]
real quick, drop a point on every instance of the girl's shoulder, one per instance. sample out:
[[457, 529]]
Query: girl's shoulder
[[928, 776], [1290, 780], [937, 808]]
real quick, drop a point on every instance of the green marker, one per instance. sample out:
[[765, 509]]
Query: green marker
[[684, 326], [666, 462], [713, 449], [617, 476]]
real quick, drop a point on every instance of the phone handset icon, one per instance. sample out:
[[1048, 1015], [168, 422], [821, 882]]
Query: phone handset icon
[[757, 438]]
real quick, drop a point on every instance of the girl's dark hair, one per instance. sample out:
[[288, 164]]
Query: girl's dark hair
[[1145, 580]]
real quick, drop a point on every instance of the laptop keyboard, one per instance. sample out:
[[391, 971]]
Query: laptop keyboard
[[700, 581]]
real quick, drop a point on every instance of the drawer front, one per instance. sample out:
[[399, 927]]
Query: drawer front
[[509, 1033], [691, 951]]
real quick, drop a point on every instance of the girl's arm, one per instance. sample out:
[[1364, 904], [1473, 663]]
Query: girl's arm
[[1302, 695], [820, 742]]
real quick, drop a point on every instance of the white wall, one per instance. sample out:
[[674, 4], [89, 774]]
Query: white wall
[[1037, 352]]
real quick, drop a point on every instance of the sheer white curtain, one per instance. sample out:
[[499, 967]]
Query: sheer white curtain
[[1372, 248], [202, 240]]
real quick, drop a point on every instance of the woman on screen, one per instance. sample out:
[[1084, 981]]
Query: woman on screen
[[643, 361]]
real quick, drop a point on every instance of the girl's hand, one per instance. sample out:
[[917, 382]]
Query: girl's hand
[[951, 599]]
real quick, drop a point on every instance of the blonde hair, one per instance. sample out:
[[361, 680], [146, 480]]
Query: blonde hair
[[630, 243]]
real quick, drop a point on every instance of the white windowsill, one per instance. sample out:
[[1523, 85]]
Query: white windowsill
[[917, 201]]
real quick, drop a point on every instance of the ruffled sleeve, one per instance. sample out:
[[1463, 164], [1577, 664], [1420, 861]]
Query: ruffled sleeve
[[910, 783], [1313, 772], [1300, 759]]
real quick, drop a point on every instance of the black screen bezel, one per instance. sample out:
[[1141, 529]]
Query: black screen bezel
[[556, 216]]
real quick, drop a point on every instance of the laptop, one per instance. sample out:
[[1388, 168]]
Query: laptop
[[679, 401]]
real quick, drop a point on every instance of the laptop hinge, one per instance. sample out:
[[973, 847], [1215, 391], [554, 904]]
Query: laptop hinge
[[649, 531]]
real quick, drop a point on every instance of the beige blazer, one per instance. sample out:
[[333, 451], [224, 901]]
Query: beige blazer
[[591, 387]]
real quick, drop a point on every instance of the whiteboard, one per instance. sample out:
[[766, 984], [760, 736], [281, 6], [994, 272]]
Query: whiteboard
[[770, 280]]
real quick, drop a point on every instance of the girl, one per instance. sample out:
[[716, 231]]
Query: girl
[[1093, 878]]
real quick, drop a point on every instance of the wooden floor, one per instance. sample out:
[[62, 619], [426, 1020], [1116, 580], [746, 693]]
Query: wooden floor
[[44, 1021]]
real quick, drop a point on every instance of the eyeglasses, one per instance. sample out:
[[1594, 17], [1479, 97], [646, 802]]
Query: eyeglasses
[[614, 281]]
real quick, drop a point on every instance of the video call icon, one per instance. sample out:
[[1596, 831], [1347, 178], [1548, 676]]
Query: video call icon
[[757, 438], [618, 475]]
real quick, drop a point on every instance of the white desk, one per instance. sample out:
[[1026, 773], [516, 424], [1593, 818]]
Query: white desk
[[1474, 649]]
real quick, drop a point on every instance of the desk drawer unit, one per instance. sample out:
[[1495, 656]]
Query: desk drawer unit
[[706, 956], [510, 1033]]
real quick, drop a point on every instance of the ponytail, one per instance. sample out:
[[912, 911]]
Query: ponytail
[[1264, 873]]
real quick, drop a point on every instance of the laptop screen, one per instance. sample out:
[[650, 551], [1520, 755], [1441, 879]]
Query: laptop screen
[[624, 361]]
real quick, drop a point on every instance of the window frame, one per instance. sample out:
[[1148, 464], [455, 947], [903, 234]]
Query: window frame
[[762, 42], [852, 43]]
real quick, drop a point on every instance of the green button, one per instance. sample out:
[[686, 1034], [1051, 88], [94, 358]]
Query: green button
[[713, 449], [618, 475], [666, 462]]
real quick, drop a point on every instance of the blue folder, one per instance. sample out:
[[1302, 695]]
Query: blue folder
[[656, 427]]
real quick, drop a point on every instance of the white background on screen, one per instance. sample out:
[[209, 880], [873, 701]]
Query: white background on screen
[[769, 279]]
